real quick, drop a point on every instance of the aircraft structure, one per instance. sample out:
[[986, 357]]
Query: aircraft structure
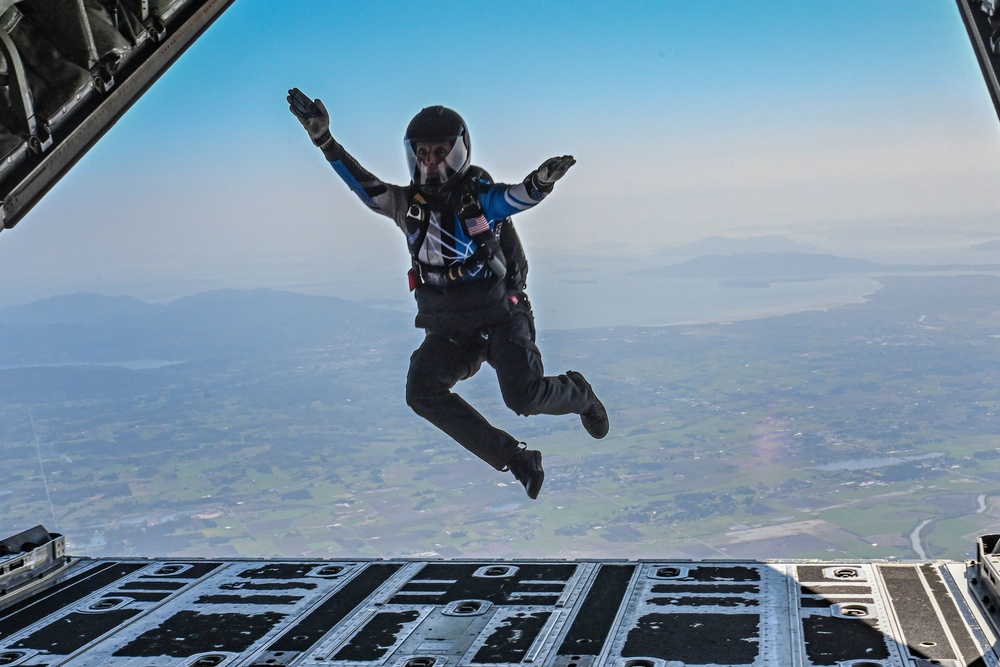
[[57, 610], [71, 69], [982, 20]]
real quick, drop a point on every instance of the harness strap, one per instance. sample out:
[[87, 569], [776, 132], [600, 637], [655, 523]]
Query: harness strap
[[473, 220], [478, 228]]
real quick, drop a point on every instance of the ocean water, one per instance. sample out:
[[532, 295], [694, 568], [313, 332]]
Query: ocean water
[[624, 299], [609, 298]]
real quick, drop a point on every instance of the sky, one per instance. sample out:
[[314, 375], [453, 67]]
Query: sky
[[851, 124]]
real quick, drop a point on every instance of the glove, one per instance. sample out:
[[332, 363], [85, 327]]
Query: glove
[[312, 114], [553, 169], [540, 181]]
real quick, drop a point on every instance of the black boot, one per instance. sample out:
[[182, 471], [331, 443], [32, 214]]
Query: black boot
[[595, 417], [526, 465]]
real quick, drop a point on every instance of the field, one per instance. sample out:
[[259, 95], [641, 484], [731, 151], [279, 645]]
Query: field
[[814, 435]]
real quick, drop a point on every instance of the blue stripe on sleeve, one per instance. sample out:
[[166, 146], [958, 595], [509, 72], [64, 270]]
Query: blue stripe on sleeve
[[502, 200], [353, 184]]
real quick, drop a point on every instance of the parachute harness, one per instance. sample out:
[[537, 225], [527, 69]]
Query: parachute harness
[[473, 220]]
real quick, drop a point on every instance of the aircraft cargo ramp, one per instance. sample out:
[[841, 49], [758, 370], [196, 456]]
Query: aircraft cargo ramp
[[57, 610]]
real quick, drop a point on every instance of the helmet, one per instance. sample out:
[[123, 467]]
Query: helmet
[[438, 150]]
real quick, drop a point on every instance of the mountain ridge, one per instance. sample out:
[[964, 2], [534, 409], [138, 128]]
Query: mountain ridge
[[92, 328], [776, 265]]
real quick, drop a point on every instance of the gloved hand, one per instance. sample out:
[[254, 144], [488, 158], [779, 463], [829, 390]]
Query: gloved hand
[[312, 114], [553, 169], [539, 182]]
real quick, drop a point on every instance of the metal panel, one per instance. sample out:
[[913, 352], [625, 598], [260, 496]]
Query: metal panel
[[413, 613]]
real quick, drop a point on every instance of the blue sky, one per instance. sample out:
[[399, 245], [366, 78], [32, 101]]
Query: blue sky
[[819, 121]]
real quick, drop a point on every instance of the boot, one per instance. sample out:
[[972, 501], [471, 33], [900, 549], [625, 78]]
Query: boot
[[526, 465], [595, 417]]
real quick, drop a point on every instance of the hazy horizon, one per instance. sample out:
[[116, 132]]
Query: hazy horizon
[[584, 289], [854, 127]]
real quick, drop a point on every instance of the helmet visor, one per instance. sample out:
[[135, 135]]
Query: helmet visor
[[434, 163]]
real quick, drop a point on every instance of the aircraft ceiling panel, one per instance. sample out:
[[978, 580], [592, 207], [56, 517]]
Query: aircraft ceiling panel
[[982, 20], [69, 70]]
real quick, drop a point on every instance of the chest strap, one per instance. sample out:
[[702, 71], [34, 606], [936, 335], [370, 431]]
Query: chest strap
[[473, 220]]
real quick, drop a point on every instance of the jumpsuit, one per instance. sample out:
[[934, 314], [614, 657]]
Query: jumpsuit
[[448, 354]]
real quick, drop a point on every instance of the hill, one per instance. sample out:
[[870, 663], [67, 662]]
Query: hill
[[90, 328]]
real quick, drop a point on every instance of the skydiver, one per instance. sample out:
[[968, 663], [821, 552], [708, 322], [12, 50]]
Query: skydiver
[[468, 275]]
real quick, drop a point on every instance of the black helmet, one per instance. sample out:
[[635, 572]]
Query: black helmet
[[444, 128]]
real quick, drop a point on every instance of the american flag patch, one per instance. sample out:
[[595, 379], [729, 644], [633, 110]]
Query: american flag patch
[[478, 225]]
